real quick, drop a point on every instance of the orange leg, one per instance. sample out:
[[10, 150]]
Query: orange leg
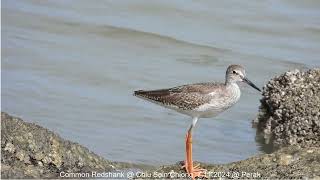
[[193, 171]]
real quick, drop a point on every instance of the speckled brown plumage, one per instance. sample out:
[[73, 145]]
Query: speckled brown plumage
[[186, 97], [201, 100]]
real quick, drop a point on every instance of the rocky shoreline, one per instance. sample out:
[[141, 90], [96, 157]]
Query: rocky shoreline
[[31, 151], [289, 163], [288, 118]]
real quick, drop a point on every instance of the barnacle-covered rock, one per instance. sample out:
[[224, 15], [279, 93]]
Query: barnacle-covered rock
[[290, 109]]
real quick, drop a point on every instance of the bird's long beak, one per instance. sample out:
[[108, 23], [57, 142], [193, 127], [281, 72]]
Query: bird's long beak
[[250, 83]]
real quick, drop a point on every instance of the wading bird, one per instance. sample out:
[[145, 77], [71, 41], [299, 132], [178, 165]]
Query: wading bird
[[200, 100]]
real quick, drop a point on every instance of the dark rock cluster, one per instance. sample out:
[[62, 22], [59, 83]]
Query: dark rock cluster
[[31, 151], [290, 109]]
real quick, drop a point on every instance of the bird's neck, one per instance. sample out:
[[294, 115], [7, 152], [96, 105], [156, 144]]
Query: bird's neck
[[234, 90], [228, 81], [231, 84]]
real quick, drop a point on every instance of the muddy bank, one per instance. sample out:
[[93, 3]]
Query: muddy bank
[[31, 151], [290, 109]]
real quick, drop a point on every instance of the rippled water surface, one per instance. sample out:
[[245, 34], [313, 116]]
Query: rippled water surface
[[71, 66]]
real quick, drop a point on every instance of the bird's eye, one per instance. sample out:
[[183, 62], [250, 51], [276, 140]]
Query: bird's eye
[[234, 72]]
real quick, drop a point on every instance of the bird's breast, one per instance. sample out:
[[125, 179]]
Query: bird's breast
[[219, 103]]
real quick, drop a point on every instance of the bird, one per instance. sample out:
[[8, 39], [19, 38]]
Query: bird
[[199, 100]]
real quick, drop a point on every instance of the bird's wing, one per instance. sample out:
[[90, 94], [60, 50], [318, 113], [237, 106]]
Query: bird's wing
[[184, 97]]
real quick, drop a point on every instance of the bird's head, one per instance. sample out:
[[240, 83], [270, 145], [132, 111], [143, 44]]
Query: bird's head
[[236, 73]]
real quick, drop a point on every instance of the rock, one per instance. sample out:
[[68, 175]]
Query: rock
[[31, 151], [287, 163], [9, 147], [285, 159], [289, 110], [20, 155], [49, 155]]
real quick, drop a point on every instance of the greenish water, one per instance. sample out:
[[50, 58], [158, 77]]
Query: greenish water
[[71, 66]]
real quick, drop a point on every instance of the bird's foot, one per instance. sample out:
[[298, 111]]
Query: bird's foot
[[194, 171], [184, 165]]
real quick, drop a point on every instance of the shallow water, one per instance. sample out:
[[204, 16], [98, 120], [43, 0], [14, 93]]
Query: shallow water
[[71, 66]]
